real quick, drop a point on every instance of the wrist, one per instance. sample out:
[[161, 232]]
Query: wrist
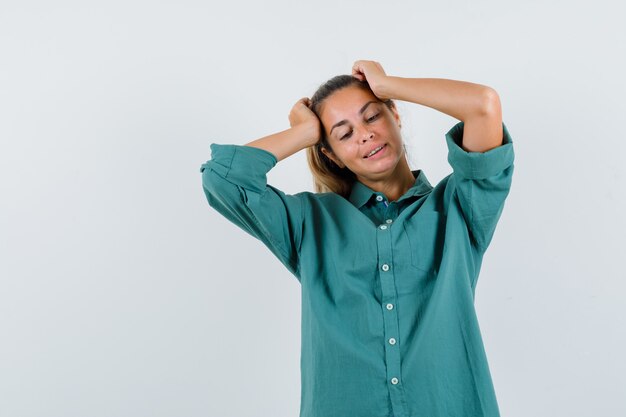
[[309, 132], [385, 89]]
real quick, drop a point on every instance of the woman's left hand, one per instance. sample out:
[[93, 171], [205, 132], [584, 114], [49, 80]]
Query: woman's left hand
[[373, 73]]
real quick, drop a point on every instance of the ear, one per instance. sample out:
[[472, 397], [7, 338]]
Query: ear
[[332, 157], [394, 112]]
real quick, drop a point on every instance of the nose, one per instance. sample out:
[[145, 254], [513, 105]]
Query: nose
[[367, 135]]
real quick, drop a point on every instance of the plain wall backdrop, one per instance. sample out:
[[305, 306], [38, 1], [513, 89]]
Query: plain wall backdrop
[[122, 293]]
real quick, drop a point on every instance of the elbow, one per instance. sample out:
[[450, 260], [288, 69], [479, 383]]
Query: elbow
[[209, 180], [490, 103], [219, 191]]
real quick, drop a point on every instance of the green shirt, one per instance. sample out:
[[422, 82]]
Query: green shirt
[[388, 320]]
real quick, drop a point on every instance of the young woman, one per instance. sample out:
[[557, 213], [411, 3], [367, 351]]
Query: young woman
[[387, 263]]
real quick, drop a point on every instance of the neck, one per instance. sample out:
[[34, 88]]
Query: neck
[[396, 184]]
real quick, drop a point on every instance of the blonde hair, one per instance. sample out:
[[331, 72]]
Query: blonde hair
[[328, 176]]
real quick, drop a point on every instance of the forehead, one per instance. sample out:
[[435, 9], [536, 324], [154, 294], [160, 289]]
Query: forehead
[[345, 104]]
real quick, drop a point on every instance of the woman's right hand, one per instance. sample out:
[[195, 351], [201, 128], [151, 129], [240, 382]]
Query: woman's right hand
[[301, 114]]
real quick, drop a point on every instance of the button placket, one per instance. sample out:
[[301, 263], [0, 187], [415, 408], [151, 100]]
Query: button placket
[[390, 318]]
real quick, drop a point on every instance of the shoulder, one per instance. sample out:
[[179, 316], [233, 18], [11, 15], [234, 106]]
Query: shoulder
[[327, 198], [440, 195]]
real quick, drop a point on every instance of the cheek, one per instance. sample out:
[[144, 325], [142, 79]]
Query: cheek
[[355, 152], [345, 152]]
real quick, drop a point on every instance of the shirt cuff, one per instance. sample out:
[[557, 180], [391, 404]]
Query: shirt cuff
[[478, 165], [241, 164]]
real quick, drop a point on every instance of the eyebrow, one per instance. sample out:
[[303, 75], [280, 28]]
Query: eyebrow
[[343, 122]]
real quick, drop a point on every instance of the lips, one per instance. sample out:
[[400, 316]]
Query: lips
[[372, 148]]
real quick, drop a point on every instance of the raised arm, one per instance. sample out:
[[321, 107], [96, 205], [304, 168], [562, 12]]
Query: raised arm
[[235, 184], [478, 106], [304, 132]]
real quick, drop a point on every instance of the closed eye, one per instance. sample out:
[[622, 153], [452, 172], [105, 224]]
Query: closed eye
[[371, 119]]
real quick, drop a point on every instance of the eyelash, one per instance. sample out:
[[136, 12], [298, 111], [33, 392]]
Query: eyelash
[[374, 117]]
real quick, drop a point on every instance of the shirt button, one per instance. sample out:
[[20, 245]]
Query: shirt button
[[379, 197], [392, 341], [383, 226], [394, 380], [385, 267], [389, 306], [388, 220]]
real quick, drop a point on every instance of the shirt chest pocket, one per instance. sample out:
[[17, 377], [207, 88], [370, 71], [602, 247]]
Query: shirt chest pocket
[[425, 233]]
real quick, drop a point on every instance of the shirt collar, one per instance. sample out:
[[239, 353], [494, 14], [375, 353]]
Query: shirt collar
[[361, 193]]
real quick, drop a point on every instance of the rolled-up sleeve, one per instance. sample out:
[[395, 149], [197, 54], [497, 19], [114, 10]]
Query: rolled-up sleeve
[[482, 181], [235, 184]]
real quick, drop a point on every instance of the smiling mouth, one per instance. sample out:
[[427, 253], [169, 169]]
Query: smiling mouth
[[375, 153]]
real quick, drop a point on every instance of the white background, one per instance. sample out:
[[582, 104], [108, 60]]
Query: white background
[[122, 293]]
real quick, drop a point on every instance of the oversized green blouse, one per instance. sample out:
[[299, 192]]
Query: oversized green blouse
[[388, 320]]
